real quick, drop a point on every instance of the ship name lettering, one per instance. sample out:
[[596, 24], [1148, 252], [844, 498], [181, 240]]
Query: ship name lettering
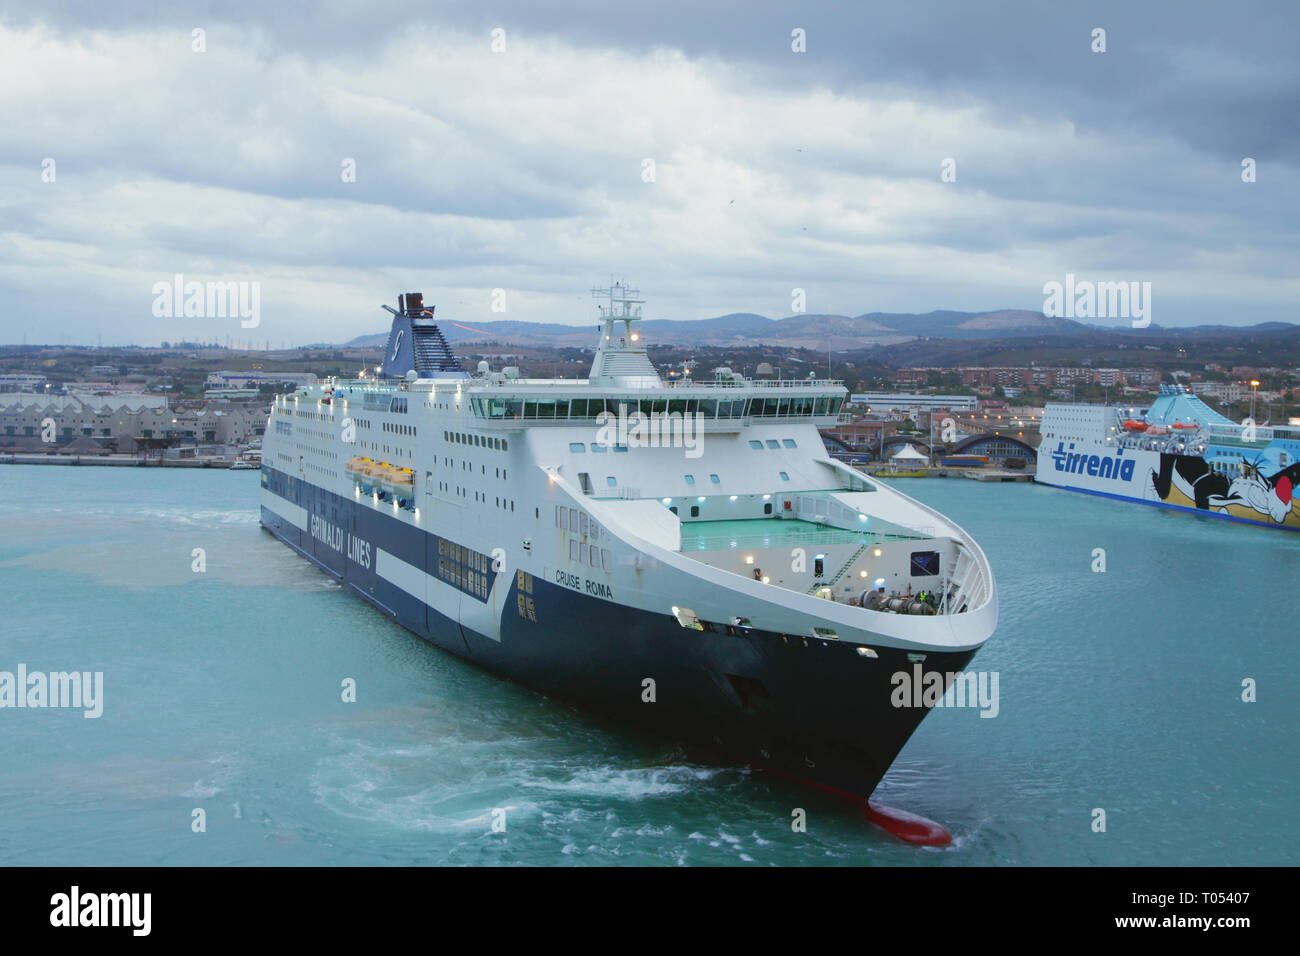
[[359, 551], [322, 530], [1118, 468]]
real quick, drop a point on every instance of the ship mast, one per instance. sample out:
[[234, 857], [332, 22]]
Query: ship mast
[[621, 357]]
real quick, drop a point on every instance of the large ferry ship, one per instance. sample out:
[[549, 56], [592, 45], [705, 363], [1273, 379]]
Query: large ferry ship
[[683, 556], [1178, 454]]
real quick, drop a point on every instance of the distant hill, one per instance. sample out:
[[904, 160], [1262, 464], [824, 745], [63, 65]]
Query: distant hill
[[840, 332]]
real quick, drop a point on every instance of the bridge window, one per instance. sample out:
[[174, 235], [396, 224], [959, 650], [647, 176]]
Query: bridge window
[[599, 449], [756, 444], [611, 481], [715, 479], [773, 443], [784, 476], [789, 443], [577, 446], [690, 479]]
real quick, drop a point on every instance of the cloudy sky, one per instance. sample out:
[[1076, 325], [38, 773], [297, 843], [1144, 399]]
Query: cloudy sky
[[525, 168]]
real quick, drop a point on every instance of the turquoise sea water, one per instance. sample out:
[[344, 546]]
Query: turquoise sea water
[[1118, 690]]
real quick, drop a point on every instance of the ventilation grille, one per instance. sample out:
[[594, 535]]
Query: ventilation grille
[[432, 353]]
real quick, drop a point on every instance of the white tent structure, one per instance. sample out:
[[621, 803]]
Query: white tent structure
[[907, 455]]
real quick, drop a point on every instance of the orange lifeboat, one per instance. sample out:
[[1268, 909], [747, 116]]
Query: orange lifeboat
[[1184, 425], [1133, 425]]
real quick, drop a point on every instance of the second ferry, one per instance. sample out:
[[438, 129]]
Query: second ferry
[[685, 556], [1178, 454]]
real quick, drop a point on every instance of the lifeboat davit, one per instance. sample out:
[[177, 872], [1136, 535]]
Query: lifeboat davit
[[1157, 430]]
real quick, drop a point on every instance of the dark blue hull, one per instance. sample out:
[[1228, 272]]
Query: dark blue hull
[[809, 708]]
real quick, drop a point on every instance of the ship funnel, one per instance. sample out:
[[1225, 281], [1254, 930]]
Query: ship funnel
[[415, 343]]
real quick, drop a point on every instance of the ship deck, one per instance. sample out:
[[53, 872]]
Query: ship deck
[[778, 532]]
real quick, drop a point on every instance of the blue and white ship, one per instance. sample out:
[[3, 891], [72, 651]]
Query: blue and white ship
[[1178, 454], [684, 557]]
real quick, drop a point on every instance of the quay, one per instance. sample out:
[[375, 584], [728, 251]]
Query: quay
[[121, 461], [974, 474]]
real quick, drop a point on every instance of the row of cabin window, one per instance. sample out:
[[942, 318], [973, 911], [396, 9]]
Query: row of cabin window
[[612, 481], [467, 465], [478, 441], [589, 554], [577, 522], [578, 447]]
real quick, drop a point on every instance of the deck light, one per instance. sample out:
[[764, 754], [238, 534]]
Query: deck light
[[749, 559], [876, 552], [668, 501], [733, 497]]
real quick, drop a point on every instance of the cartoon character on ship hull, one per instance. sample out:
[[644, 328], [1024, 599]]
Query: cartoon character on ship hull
[[1187, 481]]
